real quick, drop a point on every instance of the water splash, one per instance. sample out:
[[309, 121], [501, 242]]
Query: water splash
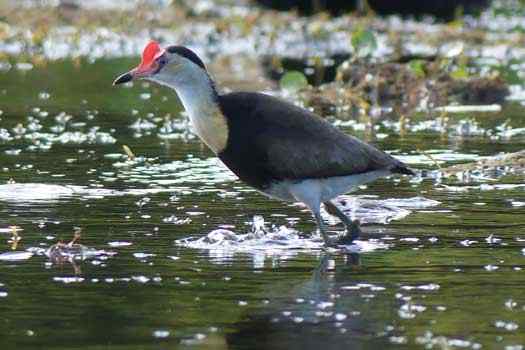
[[283, 242], [277, 244], [272, 241]]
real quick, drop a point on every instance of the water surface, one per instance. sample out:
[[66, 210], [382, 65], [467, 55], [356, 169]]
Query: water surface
[[446, 266]]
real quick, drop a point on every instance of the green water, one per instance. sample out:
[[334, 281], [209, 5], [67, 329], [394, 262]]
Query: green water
[[429, 288]]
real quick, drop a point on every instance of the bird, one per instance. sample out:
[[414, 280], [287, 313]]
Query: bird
[[282, 150]]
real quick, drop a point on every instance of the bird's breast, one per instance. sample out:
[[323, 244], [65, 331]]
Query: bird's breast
[[211, 127]]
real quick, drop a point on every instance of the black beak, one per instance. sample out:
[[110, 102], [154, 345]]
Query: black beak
[[124, 78]]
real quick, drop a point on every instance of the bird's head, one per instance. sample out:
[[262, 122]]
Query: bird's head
[[171, 66]]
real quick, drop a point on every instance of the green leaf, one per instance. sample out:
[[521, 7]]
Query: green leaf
[[460, 73], [364, 42], [417, 67], [293, 81]]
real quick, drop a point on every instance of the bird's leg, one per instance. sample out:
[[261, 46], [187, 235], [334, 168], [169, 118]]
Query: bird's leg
[[320, 224], [310, 195], [353, 231]]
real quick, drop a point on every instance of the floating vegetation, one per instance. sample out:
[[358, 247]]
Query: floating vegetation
[[15, 237], [129, 153], [493, 166], [72, 253], [61, 252], [398, 85]]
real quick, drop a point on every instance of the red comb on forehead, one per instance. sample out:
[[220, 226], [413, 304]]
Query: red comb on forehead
[[149, 53]]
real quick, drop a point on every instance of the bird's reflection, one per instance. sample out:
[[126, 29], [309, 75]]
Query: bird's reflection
[[314, 315]]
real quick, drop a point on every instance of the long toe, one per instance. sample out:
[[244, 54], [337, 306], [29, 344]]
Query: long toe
[[345, 240], [332, 243], [353, 232]]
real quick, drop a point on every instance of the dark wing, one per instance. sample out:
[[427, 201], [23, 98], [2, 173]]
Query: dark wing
[[296, 144]]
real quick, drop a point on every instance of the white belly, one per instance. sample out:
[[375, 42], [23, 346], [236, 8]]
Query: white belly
[[315, 191]]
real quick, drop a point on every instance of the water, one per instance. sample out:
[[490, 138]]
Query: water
[[176, 253]]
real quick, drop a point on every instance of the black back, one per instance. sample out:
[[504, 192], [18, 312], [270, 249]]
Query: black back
[[272, 140], [187, 53]]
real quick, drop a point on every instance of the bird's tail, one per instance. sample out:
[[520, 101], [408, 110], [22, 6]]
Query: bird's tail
[[401, 168]]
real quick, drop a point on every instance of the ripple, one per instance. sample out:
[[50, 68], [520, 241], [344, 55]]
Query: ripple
[[381, 211], [36, 192], [23, 193], [192, 170], [15, 256]]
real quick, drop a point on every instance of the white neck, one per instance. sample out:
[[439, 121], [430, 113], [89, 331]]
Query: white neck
[[197, 94]]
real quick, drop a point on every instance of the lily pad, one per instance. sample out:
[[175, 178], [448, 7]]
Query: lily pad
[[293, 81]]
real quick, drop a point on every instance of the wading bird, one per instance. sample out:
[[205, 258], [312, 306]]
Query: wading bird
[[282, 150]]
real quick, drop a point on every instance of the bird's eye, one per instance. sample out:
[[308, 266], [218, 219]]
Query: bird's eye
[[162, 60]]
